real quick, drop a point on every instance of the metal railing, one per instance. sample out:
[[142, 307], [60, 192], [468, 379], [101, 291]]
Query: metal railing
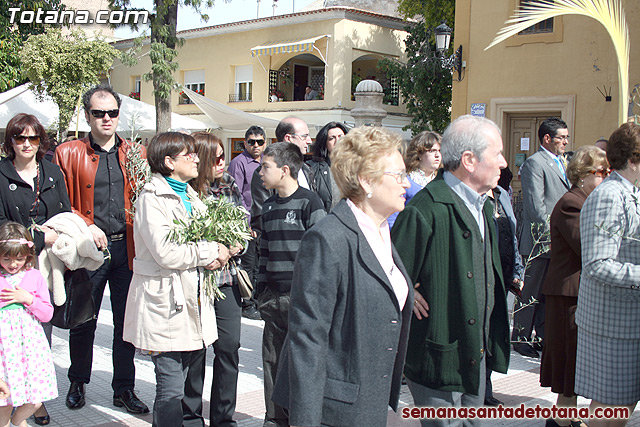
[[236, 97]]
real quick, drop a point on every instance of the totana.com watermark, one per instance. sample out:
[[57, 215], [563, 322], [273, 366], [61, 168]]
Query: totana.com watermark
[[42, 16]]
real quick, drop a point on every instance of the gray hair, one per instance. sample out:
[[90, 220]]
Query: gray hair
[[466, 133]]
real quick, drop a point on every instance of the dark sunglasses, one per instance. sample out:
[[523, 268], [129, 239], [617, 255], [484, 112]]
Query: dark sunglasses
[[98, 114], [220, 158], [21, 139], [253, 142]]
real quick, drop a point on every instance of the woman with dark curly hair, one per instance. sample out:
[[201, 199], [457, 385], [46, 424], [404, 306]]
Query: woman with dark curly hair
[[422, 160], [320, 163]]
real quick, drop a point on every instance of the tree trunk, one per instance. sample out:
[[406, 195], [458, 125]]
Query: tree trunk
[[163, 114], [166, 20]]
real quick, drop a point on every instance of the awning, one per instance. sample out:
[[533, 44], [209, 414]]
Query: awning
[[289, 46], [228, 118], [286, 46]]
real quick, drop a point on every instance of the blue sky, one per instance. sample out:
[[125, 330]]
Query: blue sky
[[222, 13]]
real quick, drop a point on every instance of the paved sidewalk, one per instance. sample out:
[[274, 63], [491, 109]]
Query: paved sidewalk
[[521, 385]]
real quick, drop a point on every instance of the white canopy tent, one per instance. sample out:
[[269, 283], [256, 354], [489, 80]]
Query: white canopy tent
[[228, 118], [136, 117]]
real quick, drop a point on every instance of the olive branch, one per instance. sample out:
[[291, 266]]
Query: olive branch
[[221, 221], [541, 233]]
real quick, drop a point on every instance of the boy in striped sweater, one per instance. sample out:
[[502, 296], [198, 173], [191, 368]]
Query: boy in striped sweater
[[285, 217]]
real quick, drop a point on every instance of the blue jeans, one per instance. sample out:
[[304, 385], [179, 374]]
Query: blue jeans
[[116, 272], [172, 369]]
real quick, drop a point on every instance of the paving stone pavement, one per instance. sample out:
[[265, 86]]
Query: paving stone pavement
[[520, 385]]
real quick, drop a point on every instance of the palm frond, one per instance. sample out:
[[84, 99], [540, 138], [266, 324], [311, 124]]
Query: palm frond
[[608, 12]]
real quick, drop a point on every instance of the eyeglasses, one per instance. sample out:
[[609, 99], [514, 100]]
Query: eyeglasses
[[602, 173], [399, 176], [300, 135], [562, 137], [220, 159], [253, 142], [191, 156], [98, 114], [21, 139]]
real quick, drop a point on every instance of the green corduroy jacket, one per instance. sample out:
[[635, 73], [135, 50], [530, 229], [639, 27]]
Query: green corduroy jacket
[[435, 243]]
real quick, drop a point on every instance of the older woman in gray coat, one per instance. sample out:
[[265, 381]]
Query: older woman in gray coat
[[608, 313], [351, 298]]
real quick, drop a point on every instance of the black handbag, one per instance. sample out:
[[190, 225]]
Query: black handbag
[[79, 307]]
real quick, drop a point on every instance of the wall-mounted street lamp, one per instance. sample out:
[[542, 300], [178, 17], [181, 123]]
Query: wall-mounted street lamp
[[443, 39]]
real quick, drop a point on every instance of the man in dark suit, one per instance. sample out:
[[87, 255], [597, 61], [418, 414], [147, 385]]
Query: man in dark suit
[[544, 181]]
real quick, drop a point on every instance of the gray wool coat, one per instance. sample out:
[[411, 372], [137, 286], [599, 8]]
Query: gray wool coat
[[343, 357]]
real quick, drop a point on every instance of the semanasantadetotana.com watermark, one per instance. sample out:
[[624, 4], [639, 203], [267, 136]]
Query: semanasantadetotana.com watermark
[[42, 16]]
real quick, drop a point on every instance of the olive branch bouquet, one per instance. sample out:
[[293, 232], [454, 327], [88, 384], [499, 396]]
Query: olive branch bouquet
[[221, 221]]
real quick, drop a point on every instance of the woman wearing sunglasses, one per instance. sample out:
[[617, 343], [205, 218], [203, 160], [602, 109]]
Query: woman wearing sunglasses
[[32, 190], [213, 182], [586, 170]]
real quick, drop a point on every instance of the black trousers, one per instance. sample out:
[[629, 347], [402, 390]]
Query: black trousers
[[224, 388], [116, 272], [532, 316], [251, 262], [274, 309]]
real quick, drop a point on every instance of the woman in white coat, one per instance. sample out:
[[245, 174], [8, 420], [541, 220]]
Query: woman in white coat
[[168, 315]]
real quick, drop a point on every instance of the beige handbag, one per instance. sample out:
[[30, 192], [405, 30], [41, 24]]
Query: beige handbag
[[244, 282]]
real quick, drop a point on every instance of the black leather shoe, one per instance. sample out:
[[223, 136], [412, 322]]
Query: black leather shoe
[[537, 345], [526, 350], [251, 313], [492, 401], [130, 401], [75, 396], [43, 420]]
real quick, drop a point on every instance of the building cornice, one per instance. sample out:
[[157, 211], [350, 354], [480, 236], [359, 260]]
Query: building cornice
[[304, 17]]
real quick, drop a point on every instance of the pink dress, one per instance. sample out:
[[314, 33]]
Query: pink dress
[[26, 363]]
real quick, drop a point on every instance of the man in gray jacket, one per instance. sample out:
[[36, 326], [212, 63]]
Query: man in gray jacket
[[544, 181]]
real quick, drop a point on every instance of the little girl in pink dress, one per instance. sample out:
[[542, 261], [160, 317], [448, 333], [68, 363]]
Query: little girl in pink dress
[[26, 364]]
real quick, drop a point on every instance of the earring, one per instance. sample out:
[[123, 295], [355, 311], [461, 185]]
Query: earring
[[582, 183], [369, 195]]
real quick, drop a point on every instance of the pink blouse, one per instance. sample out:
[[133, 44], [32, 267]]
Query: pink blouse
[[34, 283], [379, 239]]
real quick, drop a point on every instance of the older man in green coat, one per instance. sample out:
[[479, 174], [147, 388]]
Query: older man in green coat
[[447, 241]]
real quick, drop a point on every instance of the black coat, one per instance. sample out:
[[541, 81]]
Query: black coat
[[16, 196], [322, 181]]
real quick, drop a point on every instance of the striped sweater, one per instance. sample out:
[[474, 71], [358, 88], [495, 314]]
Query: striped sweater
[[284, 221]]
